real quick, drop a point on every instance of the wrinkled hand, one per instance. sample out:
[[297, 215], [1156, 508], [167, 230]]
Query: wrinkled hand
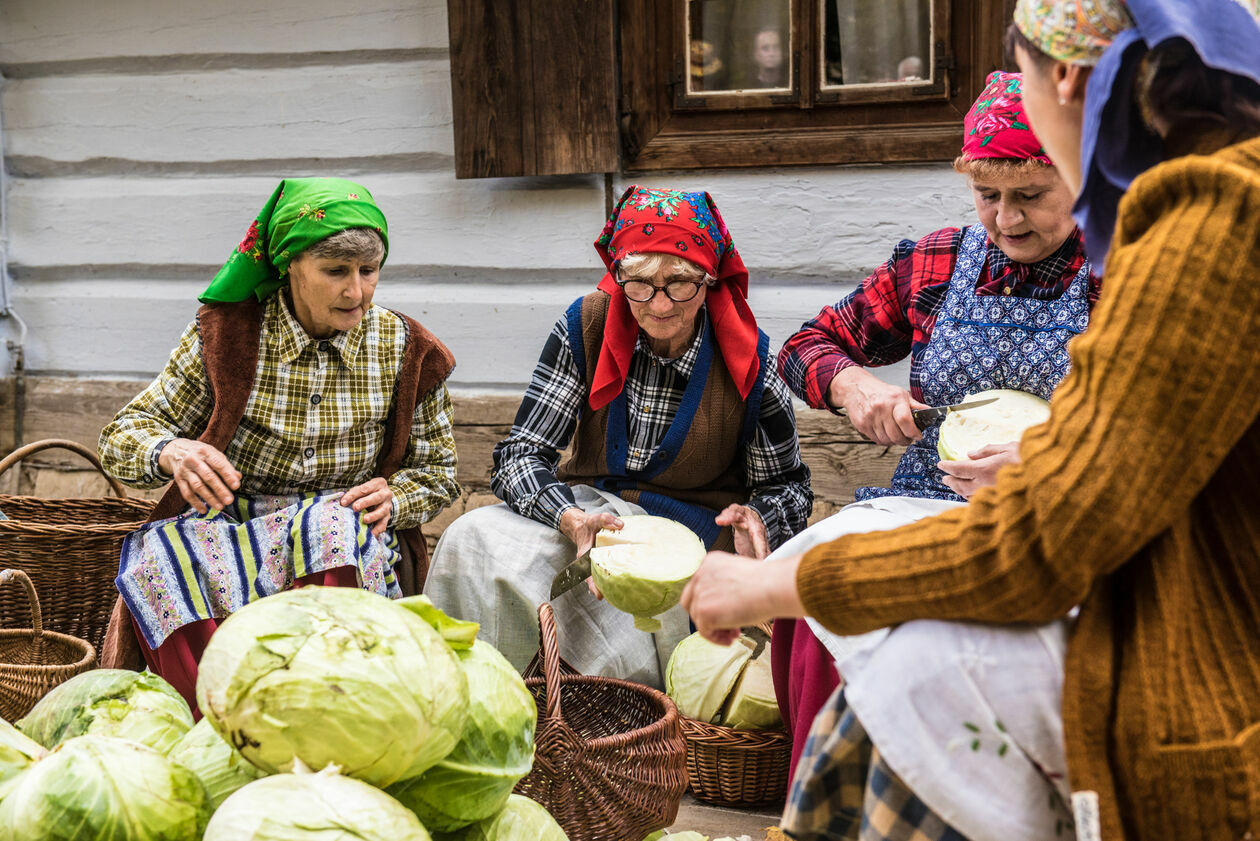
[[980, 470], [880, 411], [203, 474], [374, 500], [581, 528], [750, 531], [730, 592]]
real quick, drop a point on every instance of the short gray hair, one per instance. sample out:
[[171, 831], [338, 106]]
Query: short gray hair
[[645, 266], [362, 244]]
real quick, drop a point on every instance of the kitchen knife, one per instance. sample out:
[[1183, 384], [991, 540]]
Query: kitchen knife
[[923, 418], [572, 575]]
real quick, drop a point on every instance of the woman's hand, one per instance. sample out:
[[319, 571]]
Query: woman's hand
[[203, 474], [581, 528], [966, 477], [880, 411], [729, 592], [375, 500], [750, 531]]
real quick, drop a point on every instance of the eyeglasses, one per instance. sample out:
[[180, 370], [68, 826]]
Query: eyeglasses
[[678, 291]]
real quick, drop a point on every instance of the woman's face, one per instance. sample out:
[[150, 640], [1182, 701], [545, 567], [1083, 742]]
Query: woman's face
[[330, 294], [1027, 214], [1054, 99], [670, 326]]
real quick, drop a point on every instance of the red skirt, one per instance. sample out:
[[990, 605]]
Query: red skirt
[[804, 677], [176, 659]]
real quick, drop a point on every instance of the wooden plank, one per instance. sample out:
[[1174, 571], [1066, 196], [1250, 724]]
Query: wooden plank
[[532, 87], [359, 110], [434, 220], [71, 30]]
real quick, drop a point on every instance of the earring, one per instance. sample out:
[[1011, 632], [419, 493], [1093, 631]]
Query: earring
[[1062, 101]]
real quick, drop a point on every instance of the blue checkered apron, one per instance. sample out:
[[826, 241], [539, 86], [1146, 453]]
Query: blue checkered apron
[[981, 342]]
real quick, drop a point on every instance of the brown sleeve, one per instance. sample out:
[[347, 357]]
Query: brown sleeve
[[1164, 384]]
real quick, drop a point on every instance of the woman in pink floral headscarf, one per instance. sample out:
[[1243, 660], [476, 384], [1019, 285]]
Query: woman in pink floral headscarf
[[1023, 268]]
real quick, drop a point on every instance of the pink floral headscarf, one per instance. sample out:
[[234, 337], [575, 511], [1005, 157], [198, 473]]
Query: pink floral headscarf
[[996, 127]]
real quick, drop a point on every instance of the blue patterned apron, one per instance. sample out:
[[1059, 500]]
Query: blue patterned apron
[[981, 342]]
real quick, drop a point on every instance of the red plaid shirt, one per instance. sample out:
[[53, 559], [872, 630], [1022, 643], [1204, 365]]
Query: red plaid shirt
[[892, 313]]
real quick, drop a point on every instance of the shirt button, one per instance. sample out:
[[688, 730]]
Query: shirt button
[[647, 409], [315, 398], [1006, 291], [147, 478], [309, 452], [325, 346]]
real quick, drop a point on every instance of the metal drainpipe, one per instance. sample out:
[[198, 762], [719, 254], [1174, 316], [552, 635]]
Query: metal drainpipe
[[16, 349]]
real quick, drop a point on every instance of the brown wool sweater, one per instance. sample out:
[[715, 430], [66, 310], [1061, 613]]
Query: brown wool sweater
[[1138, 500]]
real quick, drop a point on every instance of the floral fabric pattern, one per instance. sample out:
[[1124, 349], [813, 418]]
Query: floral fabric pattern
[[1074, 31], [995, 125]]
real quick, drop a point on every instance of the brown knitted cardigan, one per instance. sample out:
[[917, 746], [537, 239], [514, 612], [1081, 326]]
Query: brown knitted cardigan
[[1138, 500], [229, 335]]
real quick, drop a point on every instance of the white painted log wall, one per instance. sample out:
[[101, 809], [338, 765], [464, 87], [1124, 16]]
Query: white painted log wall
[[141, 138]]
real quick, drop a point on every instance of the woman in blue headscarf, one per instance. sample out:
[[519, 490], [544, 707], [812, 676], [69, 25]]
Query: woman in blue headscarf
[[1135, 501]]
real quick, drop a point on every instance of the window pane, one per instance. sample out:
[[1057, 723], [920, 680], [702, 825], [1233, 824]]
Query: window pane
[[877, 41], [738, 45]]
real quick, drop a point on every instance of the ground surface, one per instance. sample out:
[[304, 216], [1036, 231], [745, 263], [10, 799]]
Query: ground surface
[[717, 822]]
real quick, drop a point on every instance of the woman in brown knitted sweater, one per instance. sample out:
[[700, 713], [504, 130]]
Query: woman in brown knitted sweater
[[1137, 499]]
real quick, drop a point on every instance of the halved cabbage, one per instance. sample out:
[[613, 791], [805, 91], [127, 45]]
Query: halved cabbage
[[643, 568], [727, 685], [752, 705], [1000, 422]]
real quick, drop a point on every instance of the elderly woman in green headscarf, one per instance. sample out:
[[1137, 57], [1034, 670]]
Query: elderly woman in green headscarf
[[306, 433]]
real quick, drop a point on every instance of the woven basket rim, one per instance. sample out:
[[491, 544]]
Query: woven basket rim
[[27, 527], [75, 643], [654, 730], [771, 737]]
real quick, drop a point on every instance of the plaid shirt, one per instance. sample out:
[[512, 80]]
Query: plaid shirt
[[525, 462], [314, 422], [891, 315]]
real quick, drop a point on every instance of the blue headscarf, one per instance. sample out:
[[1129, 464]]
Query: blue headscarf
[[1116, 144]]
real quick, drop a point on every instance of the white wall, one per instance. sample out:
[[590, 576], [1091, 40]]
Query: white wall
[[141, 138]]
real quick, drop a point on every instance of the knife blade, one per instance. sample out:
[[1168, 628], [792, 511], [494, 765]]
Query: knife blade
[[923, 418], [572, 575]]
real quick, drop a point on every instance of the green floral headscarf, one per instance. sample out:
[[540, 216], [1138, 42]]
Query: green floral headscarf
[[300, 213]]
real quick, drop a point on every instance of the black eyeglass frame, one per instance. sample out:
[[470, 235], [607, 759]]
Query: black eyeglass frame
[[695, 284]]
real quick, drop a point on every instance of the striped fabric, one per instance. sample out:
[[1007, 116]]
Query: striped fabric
[[193, 567], [314, 422]]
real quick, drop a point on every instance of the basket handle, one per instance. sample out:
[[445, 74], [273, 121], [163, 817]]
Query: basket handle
[[550, 648], [7, 575], [66, 444]]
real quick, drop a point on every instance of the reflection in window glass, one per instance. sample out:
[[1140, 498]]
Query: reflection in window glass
[[738, 45], [873, 41]]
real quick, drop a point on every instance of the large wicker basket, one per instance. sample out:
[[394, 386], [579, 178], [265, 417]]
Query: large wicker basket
[[34, 661], [70, 549], [729, 767], [610, 765]]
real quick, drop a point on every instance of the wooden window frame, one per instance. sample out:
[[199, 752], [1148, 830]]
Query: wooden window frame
[[662, 128]]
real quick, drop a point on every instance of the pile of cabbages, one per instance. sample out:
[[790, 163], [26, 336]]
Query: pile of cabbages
[[329, 713]]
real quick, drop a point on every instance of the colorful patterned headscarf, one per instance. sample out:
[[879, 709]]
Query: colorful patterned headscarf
[[1074, 31], [996, 127], [1116, 144], [300, 213], [648, 220]]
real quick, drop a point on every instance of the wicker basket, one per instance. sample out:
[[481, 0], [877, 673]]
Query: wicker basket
[[34, 661], [741, 768], [69, 548], [612, 765]]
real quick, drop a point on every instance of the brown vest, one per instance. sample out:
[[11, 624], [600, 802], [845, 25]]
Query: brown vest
[[707, 470], [230, 335]]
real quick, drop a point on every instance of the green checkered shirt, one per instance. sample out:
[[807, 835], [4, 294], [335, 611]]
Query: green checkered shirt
[[314, 422]]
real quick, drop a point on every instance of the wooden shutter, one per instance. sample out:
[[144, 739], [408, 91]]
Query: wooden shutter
[[533, 87]]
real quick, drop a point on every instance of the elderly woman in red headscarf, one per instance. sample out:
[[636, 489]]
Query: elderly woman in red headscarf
[[666, 390], [986, 306]]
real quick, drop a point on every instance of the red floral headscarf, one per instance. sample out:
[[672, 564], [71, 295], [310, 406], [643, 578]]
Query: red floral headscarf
[[996, 126], [687, 224]]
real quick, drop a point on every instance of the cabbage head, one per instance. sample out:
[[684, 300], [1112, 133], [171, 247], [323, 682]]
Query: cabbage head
[[17, 753], [642, 568], [333, 676], [100, 788], [520, 819], [494, 753], [1000, 422], [752, 705], [111, 702], [219, 766], [701, 675], [323, 806]]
